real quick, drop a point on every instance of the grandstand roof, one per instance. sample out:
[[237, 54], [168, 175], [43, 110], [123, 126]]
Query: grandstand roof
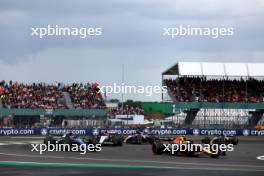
[[216, 69]]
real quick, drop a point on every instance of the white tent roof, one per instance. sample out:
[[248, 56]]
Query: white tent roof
[[213, 69], [256, 69], [190, 68], [216, 69]]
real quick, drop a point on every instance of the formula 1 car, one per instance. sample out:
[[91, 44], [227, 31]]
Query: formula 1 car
[[221, 139], [68, 138], [139, 138], [167, 146], [108, 138]]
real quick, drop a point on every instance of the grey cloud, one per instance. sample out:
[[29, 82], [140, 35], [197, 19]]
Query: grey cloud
[[132, 35]]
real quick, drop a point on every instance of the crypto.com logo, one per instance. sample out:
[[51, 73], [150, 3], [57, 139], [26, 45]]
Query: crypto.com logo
[[44, 131]]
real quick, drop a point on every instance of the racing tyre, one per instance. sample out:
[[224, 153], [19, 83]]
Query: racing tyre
[[191, 154], [91, 140], [68, 140], [120, 143], [117, 141], [235, 141], [157, 148], [151, 140], [133, 140], [206, 140], [214, 155], [49, 139]]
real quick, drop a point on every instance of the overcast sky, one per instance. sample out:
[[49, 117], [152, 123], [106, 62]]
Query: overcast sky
[[132, 35]]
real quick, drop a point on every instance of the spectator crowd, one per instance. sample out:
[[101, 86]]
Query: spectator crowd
[[49, 96], [126, 110], [85, 96], [194, 89]]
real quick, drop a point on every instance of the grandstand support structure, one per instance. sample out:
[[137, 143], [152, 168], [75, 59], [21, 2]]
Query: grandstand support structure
[[196, 112], [167, 97], [67, 98], [191, 114]]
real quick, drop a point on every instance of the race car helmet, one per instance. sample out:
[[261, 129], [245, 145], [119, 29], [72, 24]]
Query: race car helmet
[[179, 139]]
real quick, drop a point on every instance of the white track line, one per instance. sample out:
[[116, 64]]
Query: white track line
[[4, 144], [210, 166], [19, 143], [149, 166], [260, 157]]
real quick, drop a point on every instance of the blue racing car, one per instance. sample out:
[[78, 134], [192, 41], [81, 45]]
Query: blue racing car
[[69, 138]]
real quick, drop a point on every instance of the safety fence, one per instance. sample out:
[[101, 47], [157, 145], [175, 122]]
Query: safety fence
[[53, 112]]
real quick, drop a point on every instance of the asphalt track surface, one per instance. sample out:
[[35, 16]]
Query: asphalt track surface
[[128, 160]]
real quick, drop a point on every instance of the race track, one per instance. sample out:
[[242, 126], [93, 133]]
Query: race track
[[16, 159]]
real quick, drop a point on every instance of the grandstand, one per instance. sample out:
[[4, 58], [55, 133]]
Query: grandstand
[[26, 105], [204, 94]]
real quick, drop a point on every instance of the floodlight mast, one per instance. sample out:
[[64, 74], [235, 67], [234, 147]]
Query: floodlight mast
[[122, 93]]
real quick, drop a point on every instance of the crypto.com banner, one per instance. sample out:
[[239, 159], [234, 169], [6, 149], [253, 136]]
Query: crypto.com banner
[[127, 131]]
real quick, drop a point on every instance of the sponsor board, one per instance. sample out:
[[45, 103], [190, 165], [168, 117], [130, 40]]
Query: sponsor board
[[196, 131], [43, 131], [256, 132], [123, 131], [16, 131], [246, 132], [170, 131], [212, 132]]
